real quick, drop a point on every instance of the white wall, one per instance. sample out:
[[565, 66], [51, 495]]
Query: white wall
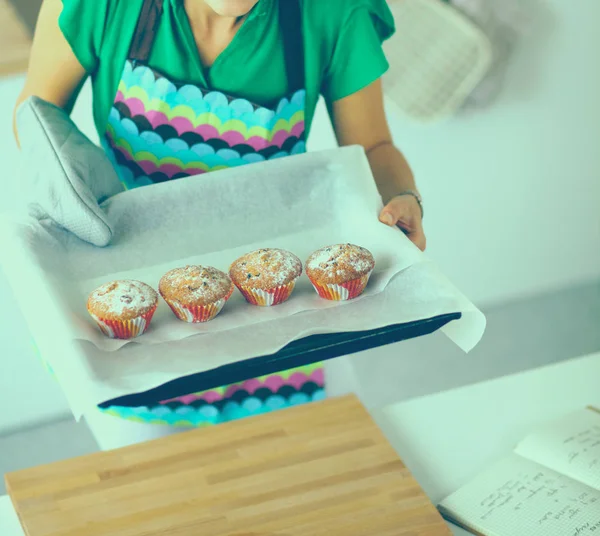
[[512, 193]]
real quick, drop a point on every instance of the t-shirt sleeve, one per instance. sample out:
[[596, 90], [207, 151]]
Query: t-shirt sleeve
[[357, 58], [83, 23]]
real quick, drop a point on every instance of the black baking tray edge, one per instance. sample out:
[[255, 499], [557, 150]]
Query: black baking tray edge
[[298, 353]]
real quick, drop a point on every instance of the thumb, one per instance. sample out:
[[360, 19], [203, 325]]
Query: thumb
[[387, 216]]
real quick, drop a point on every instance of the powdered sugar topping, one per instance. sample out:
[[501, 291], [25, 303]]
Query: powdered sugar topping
[[266, 269], [123, 299], [341, 262], [195, 285]]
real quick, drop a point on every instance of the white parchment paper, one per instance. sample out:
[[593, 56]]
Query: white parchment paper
[[298, 203]]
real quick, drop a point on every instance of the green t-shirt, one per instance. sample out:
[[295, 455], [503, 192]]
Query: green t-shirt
[[342, 41]]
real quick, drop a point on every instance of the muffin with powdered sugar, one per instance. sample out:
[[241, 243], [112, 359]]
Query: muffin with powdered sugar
[[123, 309], [266, 277], [196, 293], [340, 272]]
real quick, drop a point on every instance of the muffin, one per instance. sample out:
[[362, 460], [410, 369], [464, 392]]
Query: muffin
[[196, 293], [266, 277], [123, 309], [340, 272]]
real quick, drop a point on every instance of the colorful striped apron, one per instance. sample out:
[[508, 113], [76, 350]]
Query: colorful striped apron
[[160, 130]]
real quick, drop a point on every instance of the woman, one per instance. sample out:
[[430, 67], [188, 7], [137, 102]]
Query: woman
[[183, 87]]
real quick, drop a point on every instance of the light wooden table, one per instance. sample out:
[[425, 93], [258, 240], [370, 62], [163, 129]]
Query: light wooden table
[[445, 439]]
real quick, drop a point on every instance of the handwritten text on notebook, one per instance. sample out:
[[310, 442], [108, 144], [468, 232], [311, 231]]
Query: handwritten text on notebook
[[519, 497], [585, 444], [549, 486], [516, 494]]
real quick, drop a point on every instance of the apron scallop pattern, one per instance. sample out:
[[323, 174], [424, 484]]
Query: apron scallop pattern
[[158, 131]]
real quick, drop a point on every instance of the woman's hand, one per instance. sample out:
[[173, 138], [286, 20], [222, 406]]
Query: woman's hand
[[359, 119], [405, 212]]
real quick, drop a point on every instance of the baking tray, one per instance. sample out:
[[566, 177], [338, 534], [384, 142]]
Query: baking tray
[[298, 353]]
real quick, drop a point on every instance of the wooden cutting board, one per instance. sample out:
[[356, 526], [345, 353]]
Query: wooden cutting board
[[321, 469]]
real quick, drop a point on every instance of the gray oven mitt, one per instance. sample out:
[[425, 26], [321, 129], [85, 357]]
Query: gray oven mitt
[[66, 175]]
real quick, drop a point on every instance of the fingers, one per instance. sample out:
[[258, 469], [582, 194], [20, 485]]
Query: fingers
[[388, 218], [407, 216], [391, 213], [396, 214], [418, 239]]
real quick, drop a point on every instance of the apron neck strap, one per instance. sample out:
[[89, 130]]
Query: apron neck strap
[[290, 22], [146, 30]]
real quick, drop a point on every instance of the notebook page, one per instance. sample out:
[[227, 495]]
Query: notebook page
[[520, 497], [570, 446]]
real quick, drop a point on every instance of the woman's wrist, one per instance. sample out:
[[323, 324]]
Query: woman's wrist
[[392, 172], [416, 195]]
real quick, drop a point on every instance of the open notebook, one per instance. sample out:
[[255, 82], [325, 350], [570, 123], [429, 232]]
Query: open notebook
[[549, 486]]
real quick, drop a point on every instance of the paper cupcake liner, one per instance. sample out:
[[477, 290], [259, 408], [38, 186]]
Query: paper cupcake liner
[[268, 298], [125, 329], [195, 314], [342, 291]]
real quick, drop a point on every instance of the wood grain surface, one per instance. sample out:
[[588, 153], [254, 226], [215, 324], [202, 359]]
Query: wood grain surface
[[318, 469]]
